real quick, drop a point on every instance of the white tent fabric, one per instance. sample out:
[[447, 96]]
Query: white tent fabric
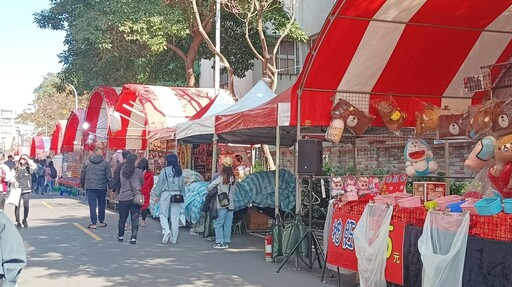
[[203, 130]]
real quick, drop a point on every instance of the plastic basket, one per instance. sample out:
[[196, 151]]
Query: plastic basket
[[488, 206], [442, 202], [507, 205], [430, 204], [411, 201], [469, 206], [391, 198], [455, 207]]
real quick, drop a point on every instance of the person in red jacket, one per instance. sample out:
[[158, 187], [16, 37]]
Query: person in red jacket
[[146, 188]]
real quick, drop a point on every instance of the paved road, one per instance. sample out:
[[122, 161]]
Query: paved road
[[62, 253]]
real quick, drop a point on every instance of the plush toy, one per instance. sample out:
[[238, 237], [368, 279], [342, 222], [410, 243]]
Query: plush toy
[[335, 131], [419, 158], [362, 185], [350, 184], [500, 174], [481, 154], [502, 118], [391, 114], [373, 184], [336, 186], [427, 120], [451, 126], [481, 121], [356, 120]]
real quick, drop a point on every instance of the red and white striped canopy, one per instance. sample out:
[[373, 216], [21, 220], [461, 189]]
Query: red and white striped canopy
[[142, 109], [72, 140], [258, 125], [57, 137], [40, 147], [101, 105], [373, 48]]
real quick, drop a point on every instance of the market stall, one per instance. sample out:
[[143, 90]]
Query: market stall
[[150, 111], [102, 101], [40, 147], [57, 136], [71, 149]]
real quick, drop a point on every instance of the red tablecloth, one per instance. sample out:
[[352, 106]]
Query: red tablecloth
[[69, 181]]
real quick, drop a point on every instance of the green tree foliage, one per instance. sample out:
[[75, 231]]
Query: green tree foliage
[[53, 102]]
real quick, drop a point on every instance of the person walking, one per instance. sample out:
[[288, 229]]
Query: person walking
[[149, 181], [116, 180], [23, 178], [169, 189], [12, 252], [51, 175], [10, 162], [6, 175], [40, 172], [225, 203], [132, 180], [95, 178]]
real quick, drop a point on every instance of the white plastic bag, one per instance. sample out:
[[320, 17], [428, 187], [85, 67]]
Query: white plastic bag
[[443, 248], [371, 240], [14, 196]]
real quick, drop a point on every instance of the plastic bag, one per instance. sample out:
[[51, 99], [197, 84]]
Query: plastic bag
[[14, 196], [502, 118], [356, 120], [451, 126], [277, 230], [209, 230], [443, 248], [371, 242], [303, 249], [480, 185], [391, 114], [290, 234], [427, 119], [335, 131], [481, 121]]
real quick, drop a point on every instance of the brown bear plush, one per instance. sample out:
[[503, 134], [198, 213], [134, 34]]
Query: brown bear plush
[[481, 121], [451, 126], [428, 119], [355, 120], [391, 115], [502, 118]]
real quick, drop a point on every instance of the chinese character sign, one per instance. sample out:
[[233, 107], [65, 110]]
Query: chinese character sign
[[341, 249], [393, 183]]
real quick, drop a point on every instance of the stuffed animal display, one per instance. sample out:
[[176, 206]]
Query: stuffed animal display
[[428, 119], [502, 118], [373, 184], [451, 126], [419, 158], [335, 131], [350, 184], [500, 174], [481, 121], [356, 120], [391, 114], [362, 185], [337, 186], [482, 153]]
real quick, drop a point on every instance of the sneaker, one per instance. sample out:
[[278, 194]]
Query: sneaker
[[133, 241], [18, 225], [219, 246], [166, 237], [226, 245], [120, 238], [25, 224]]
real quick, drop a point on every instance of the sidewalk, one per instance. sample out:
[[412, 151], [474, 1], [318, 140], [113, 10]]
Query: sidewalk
[[62, 252]]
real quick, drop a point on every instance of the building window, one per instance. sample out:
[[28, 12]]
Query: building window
[[287, 60], [312, 41]]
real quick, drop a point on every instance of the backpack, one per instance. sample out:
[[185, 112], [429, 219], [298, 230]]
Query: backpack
[[53, 172], [40, 170]]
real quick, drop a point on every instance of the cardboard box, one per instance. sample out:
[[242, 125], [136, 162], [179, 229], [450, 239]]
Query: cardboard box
[[429, 190], [256, 220]]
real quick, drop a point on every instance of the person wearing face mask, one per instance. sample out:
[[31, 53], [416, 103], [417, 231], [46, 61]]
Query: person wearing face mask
[[23, 178]]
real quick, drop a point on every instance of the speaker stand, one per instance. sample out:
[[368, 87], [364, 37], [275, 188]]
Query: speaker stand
[[313, 240]]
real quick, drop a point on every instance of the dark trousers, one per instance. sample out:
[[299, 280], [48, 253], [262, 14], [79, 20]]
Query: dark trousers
[[40, 184], [144, 213], [25, 197], [97, 197], [126, 207], [3, 198]]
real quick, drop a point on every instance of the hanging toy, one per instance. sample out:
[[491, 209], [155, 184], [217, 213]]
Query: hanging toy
[[427, 120], [481, 121], [451, 126], [481, 154], [362, 185], [419, 158], [335, 131], [391, 114], [337, 186], [501, 173], [502, 118], [356, 120]]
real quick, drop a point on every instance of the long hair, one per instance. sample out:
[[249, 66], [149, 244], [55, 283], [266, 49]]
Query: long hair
[[143, 164], [172, 161], [50, 164], [227, 175], [129, 167]]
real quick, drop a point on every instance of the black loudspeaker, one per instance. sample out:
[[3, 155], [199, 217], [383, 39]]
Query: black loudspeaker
[[310, 157]]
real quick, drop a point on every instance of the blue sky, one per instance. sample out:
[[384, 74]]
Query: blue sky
[[27, 53]]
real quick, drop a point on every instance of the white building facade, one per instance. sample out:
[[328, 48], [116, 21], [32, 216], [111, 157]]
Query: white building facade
[[310, 15]]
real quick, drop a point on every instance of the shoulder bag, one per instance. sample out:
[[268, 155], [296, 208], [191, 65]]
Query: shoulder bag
[[224, 197], [175, 198], [138, 199]]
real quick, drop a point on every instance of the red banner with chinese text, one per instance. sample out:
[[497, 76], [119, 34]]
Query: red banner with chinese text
[[341, 250], [393, 183]]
